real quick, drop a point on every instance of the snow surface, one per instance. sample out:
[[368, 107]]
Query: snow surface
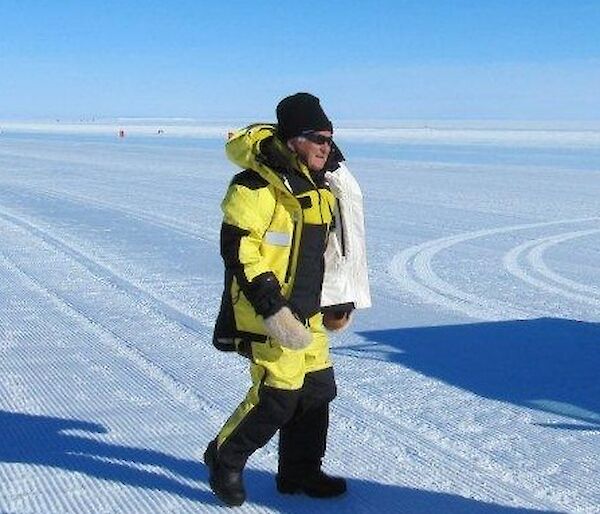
[[470, 386]]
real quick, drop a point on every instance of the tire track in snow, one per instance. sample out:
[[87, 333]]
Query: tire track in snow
[[412, 269], [538, 261], [161, 221], [554, 283], [124, 347], [134, 291]]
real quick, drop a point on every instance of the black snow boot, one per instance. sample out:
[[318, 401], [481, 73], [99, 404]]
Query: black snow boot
[[315, 485], [227, 484]]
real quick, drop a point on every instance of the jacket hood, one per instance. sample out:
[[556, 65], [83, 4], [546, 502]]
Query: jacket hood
[[256, 147]]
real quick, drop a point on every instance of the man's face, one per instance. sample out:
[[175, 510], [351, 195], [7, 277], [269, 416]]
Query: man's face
[[313, 149]]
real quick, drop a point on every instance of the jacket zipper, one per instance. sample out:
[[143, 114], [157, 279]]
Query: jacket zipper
[[288, 272], [320, 207]]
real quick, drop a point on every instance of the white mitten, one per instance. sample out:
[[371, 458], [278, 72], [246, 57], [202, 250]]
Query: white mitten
[[287, 330]]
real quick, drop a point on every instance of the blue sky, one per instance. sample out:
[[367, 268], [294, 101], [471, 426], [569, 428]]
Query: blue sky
[[426, 59]]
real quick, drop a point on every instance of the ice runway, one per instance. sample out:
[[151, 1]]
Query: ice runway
[[470, 386]]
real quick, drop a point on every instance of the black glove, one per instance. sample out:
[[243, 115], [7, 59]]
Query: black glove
[[264, 293], [337, 317]]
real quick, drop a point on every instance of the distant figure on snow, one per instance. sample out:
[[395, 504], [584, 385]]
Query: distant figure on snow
[[293, 245]]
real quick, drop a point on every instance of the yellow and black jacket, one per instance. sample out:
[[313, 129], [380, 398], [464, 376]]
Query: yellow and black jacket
[[277, 217]]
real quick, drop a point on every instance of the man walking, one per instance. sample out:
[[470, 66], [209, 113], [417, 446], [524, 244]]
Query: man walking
[[278, 213]]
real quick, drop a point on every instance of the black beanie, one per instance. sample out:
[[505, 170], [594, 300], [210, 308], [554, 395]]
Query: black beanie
[[298, 113]]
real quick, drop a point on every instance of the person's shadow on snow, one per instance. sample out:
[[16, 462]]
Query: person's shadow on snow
[[49, 441], [546, 364], [61, 444]]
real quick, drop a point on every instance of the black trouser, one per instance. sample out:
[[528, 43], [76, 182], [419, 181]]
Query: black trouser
[[302, 416]]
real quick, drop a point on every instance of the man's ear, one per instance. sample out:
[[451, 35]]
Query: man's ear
[[290, 144]]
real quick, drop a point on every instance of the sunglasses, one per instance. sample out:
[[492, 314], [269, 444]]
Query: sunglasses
[[318, 139]]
